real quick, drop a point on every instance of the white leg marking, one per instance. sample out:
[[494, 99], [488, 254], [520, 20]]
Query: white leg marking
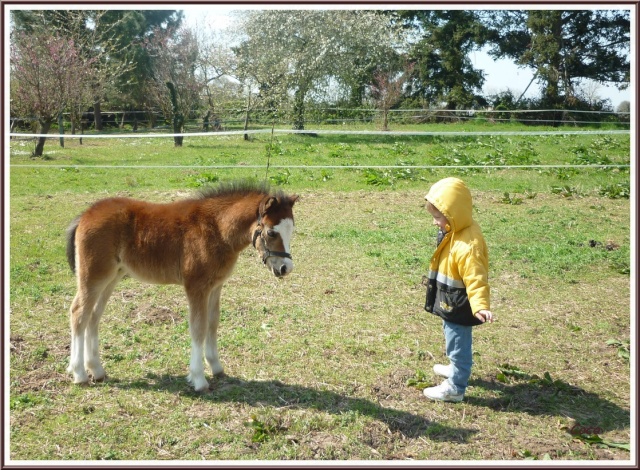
[[76, 363], [196, 368], [212, 356], [91, 341], [198, 330], [92, 354], [211, 342]]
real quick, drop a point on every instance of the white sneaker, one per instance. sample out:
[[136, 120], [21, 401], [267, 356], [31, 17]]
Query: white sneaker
[[443, 392], [442, 370]]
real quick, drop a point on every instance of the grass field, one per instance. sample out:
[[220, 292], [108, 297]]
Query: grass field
[[329, 363]]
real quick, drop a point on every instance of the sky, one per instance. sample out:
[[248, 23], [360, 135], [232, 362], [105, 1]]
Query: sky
[[501, 75], [504, 74]]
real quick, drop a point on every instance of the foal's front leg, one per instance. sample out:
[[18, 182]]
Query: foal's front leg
[[198, 303], [211, 342]]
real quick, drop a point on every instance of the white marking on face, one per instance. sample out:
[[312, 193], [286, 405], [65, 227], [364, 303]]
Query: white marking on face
[[285, 229]]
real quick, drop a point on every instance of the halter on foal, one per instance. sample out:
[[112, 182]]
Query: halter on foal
[[194, 243]]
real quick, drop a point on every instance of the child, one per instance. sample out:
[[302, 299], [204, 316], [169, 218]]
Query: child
[[458, 288]]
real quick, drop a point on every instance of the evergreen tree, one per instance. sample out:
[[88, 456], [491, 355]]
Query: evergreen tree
[[134, 29], [443, 73], [564, 47]]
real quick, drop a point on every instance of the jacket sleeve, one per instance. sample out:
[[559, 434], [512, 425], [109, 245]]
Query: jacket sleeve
[[473, 267]]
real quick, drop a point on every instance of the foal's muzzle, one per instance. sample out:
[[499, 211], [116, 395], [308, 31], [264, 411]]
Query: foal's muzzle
[[283, 269]]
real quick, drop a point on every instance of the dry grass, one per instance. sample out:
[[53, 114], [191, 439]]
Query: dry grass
[[318, 363]]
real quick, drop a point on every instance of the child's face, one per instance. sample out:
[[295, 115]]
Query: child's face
[[438, 218]]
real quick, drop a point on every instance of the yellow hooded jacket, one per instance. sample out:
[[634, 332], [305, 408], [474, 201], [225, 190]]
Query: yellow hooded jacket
[[459, 269]]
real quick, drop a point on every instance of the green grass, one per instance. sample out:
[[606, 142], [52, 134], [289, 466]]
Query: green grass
[[328, 364]]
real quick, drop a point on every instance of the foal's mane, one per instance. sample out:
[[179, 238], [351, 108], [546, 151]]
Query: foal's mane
[[236, 188]]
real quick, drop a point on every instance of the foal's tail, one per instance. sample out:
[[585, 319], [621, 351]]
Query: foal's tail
[[71, 243]]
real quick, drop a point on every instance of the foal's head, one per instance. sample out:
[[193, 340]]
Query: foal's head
[[272, 236]]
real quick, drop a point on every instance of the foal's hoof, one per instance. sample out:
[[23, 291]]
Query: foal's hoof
[[97, 373], [80, 379], [204, 389], [199, 385]]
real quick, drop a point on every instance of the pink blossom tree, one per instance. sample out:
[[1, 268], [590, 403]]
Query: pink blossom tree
[[48, 75], [387, 89]]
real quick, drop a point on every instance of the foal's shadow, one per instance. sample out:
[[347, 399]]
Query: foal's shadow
[[552, 398], [277, 394]]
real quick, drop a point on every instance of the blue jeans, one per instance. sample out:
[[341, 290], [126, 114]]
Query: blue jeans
[[458, 341]]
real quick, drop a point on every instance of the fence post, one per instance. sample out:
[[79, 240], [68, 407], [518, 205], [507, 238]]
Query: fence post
[[246, 115]]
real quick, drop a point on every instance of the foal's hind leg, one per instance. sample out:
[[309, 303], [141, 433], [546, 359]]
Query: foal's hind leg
[[80, 315], [91, 343], [85, 312], [198, 302], [211, 343]]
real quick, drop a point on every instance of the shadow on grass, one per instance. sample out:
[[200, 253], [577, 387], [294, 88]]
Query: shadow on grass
[[556, 398], [277, 394], [350, 139]]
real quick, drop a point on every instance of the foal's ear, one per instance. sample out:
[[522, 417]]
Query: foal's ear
[[273, 201], [267, 203]]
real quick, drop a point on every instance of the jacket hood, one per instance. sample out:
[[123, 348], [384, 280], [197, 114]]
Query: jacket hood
[[453, 198]]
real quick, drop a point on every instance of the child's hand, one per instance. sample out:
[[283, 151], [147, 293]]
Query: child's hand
[[484, 315]]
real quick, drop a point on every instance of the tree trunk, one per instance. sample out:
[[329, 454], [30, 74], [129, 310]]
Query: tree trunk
[[356, 95], [80, 126], [151, 119], [177, 140], [205, 121], [178, 118], [97, 116], [43, 128], [61, 129], [298, 109]]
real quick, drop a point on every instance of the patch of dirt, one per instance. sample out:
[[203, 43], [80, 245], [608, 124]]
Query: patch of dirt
[[38, 380], [17, 344], [151, 315], [36, 362], [539, 448], [394, 386], [609, 245], [324, 446]]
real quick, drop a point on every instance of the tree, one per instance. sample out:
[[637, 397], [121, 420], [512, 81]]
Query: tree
[[132, 28], [443, 72], [624, 111], [48, 75], [564, 47], [175, 87], [97, 34], [387, 89], [295, 52], [589, 92], [624, 107], [215, 66]]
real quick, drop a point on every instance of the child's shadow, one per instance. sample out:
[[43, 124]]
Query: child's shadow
[[537, 396]]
